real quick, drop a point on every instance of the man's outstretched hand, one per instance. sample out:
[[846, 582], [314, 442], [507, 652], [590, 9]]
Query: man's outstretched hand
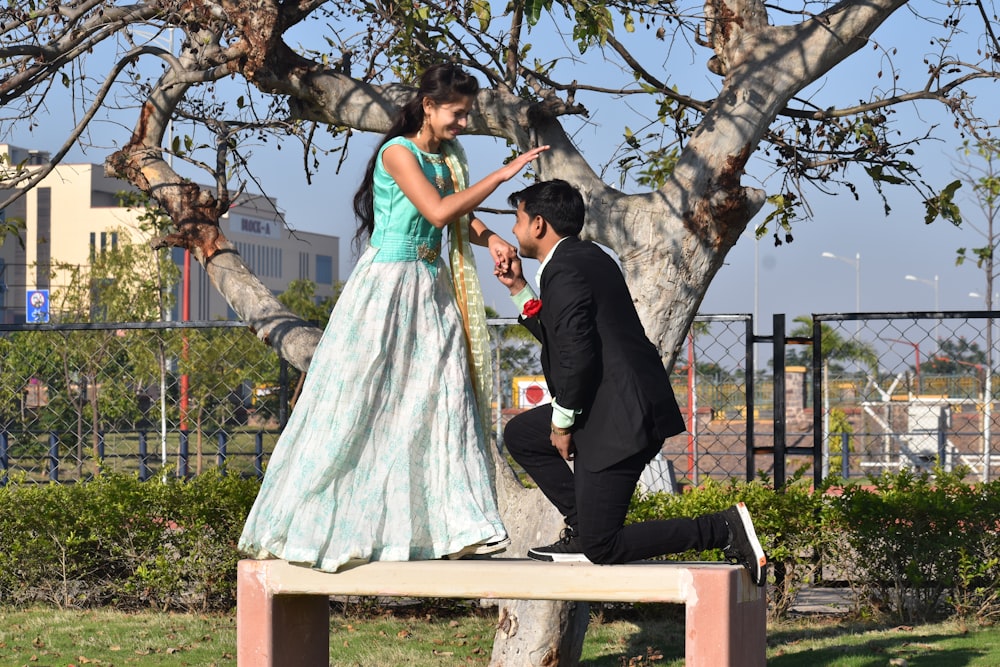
[[511, 277]]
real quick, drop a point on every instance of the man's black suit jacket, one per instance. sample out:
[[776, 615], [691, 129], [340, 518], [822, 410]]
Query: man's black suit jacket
[[597, 359]]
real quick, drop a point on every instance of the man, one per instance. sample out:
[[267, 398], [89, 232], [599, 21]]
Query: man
[[612, 404]]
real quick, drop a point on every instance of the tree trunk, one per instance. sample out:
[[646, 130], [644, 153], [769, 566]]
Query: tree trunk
[[540, 633], [533, 633]]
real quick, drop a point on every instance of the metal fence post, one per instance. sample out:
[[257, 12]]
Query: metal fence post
[[778, 324], [53, 457], [258, 455], [143, 457], [282, 394], [845, 451], [750, 404], [221, 458], [182, 455], [3, 458], [943, 439]]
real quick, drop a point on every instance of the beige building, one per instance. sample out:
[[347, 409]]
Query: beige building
[[74, 212]]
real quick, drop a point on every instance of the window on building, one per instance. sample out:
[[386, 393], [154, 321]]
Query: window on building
[[303, 266], [43, 247], [108, 240], [324, 269]]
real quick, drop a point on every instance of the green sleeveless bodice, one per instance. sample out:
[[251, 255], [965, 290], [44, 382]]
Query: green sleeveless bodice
[[401, 233]]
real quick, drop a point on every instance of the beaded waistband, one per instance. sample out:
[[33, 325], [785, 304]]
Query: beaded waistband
[[404, 248]]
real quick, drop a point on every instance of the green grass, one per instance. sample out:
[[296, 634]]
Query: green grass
[[645, 637], [55, 638]]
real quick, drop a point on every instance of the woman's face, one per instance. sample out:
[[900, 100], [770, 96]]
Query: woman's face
[[447, 121]]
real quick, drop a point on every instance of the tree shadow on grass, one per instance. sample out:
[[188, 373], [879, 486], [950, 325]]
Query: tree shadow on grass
[[868, 655], [659, 640], [882, 644]]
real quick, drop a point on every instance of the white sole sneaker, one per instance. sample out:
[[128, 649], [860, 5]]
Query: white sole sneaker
[[760, 559], [557, 558]]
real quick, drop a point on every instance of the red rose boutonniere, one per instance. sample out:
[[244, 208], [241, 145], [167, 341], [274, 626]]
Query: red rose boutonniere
[[532, 307]]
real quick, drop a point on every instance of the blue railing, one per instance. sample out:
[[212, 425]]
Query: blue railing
[[53, 459]]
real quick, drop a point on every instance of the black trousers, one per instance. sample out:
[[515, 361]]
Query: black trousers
[[594, 504]]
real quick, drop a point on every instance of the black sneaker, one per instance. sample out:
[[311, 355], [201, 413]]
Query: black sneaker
[[567, 550], [744, 547]]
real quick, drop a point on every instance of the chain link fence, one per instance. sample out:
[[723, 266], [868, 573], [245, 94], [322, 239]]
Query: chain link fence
[[146, 399], [886, 391], [710, 383], [905, 390]]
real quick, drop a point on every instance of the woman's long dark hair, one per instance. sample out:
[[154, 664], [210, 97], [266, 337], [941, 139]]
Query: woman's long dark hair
[[442, 83]]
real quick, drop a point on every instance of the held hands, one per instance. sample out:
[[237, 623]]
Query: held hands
[[502, 253], [511, 276]]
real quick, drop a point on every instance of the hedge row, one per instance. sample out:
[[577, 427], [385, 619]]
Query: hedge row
[[915, 546], [118, 541]]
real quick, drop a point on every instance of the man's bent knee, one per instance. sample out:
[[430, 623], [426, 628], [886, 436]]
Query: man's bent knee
[[513, 437]]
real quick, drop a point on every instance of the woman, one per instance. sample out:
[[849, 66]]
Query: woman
[[385, 455]]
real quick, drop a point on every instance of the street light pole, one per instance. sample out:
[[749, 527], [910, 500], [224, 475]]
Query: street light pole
[[988, 385], [933, 283], [856, 263], [937, 298]]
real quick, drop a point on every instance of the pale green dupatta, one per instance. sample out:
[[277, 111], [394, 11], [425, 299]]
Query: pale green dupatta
[[467, 290]]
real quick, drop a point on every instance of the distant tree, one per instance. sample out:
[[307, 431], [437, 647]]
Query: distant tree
[[224, 366], [956, 357], [300, 298], [101, 376], [982, 173], [980, 169], [837, 349]]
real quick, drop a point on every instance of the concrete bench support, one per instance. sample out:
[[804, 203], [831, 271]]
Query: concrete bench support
[[283, 611]]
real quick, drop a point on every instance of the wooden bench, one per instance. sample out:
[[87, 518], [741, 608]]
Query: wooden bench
[[283, 611]]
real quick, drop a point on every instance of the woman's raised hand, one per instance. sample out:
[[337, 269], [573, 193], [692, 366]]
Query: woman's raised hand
[[501, 252], [514, 167]]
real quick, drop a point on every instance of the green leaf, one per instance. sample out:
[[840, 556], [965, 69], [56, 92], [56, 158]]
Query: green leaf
[[944, 205], [533, 10], [481, 8]]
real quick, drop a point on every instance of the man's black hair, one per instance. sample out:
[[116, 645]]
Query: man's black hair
[[559, 203]]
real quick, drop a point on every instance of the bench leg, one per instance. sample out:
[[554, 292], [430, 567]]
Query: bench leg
[[725, 621], [278, 630]]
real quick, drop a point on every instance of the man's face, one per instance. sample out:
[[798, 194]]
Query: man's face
[[523, 226]]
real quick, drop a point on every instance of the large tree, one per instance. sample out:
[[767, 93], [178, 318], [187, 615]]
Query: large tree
[[672, 202]]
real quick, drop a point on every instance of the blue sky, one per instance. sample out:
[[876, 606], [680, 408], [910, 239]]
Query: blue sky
[[758, 277]]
